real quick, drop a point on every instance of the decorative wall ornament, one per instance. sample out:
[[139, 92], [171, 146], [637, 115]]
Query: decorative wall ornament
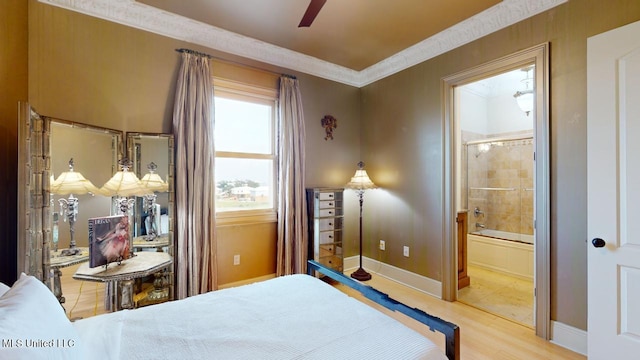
[[329, 123]]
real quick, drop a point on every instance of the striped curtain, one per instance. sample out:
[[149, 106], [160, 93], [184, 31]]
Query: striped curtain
[[292, 210], [195, 260]]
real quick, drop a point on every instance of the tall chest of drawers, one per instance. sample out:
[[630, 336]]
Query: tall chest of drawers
[[325, 216]]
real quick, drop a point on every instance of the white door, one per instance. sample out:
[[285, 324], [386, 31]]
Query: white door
[[613, 167]]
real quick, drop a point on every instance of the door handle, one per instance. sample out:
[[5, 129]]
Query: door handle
[[597, 242]]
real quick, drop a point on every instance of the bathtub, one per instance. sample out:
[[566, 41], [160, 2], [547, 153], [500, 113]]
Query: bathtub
[[498, 234], [500, 251]]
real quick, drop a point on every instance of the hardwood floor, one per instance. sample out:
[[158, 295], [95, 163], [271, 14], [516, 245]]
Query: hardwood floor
[[499, 294], [483, 336], [83, 298], [87, 298]]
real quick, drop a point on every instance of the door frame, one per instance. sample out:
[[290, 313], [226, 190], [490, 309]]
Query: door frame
[[538, 55]]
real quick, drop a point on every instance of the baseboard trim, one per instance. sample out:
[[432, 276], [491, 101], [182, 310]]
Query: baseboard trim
[[569, 337], [563, 335], [402, 276]]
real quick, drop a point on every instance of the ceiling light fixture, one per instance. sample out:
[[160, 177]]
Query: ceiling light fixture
[[525, 98]]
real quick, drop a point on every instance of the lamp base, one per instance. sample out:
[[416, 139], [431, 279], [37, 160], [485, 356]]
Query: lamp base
[[70, 252], [150, 237], [361, 275]]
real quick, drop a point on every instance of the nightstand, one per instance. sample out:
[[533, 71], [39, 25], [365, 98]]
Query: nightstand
[[120, 278]]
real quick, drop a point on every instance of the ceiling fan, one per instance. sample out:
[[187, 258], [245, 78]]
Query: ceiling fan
[[311, 13]]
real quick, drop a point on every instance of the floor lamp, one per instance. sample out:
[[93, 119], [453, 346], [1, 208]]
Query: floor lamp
[[361, 182]]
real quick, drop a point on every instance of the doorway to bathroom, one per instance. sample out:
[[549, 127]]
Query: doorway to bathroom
[[496, 191], [497, 183]]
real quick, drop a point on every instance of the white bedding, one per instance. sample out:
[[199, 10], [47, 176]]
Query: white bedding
[[289, 317]]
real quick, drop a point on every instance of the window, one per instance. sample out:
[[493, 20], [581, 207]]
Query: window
[[245, 151]]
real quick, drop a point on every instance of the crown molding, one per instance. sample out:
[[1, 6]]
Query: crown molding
[[148, 18]]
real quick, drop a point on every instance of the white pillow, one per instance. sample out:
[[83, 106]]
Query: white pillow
[[33, 325], [3, 288]]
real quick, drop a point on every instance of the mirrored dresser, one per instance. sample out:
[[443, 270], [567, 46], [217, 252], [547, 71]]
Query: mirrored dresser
[[325, 219]]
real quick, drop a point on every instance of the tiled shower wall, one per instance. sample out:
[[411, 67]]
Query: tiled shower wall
[[499, 182]]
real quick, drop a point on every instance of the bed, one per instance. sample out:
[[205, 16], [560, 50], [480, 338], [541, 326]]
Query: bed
[[289, 317]]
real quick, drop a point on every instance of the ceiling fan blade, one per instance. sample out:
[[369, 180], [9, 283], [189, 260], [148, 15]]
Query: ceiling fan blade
[[311, 13]]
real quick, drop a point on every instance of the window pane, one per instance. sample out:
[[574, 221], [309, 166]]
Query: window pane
[[244, 184], [242, 126]]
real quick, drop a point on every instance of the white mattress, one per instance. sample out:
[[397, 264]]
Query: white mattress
[[290, 317]]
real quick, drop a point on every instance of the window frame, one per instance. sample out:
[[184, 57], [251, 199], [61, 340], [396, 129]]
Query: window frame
[[259, 95]]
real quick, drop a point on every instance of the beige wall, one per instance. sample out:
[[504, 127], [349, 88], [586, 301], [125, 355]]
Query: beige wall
[[332, 163], [402, 141], [256, 245], [92, 71], [13, 88]]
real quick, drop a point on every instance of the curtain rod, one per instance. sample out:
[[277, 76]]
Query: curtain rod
[[189, 51]]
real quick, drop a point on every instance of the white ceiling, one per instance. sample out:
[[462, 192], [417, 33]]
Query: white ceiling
[[355, 42], [501, 84]]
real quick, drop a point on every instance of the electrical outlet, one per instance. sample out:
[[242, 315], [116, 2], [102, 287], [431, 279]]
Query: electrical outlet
[[236, 259], [382, 245], [405, 251]]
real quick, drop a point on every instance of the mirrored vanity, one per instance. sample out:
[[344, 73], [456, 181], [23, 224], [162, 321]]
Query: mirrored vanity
[[54, 207]]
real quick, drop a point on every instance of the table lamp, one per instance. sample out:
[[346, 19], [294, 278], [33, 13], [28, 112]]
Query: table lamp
[[122, 185], [69, 183], [154, 183]]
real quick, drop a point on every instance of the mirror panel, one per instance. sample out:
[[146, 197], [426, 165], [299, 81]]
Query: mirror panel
[[153, 229], [144, 149], [45, 147], [95, 152]]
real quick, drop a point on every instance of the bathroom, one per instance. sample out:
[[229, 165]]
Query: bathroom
[[496, 178]]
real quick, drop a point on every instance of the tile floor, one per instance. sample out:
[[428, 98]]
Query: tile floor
[[499, 294]]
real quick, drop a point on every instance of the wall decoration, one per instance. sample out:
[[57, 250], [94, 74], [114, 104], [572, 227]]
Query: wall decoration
[[329, 123]]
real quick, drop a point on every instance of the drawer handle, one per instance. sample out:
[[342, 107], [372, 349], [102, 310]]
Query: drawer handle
[[330, 195], [330, 212], [330, 236], [330, 204], [330, 224]]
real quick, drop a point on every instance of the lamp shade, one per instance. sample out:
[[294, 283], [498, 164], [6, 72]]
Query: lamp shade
[[72, 182], [525, 100], [124, 183], [360, 181], [153, 181]]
